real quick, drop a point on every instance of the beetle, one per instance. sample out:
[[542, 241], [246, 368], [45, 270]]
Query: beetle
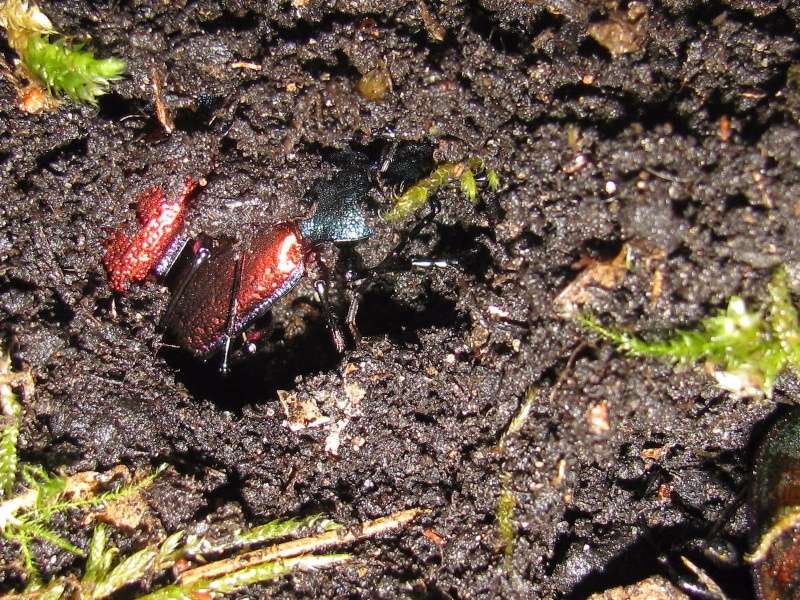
[[230, 283], [775, 505]]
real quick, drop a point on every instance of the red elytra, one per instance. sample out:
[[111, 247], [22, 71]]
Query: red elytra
[[216, 301], [775, 504], [131, 258]]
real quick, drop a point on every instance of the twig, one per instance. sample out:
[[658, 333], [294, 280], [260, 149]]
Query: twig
[[162, 112], [246, 65], [297, 547]]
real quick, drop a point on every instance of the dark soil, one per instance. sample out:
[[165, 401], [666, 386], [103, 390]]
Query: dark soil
[[446, 357]]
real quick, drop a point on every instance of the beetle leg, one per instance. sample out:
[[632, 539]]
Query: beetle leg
[[435, 263], [386, 159], [230, 320], [356, 276], [384, 265], [694, 581], [321, 286], [352, 311], [252, 337], [699, 590]]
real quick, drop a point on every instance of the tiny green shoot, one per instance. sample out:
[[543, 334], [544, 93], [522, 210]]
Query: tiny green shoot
[[520, 417], [469, 187], [26, 517], [492, 180], [70, 70], [504, 515], [40, 496], [10, 416]]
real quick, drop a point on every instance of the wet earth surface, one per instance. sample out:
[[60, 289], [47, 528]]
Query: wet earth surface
[[670, 127]]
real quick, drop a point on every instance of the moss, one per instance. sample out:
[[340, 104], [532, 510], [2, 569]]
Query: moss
[[467, 173], [64, 69], [746, 349], [504, 514], [10, 413], [70, 70]]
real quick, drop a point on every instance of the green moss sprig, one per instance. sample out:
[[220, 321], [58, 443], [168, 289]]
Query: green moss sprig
[[70, 70], [105, 573], [506, 527], [10, 415], [465, 172], [65, 69], [302, 541], [746, 349], [39, 496], [504, 516], [26, 517]]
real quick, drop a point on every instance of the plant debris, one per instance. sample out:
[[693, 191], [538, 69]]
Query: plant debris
[[596, 275], [623, 32], [465, 172], [27, 516], [375, 84], [10, 418]]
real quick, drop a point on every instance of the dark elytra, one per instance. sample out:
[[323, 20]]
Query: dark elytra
[[198, 320]]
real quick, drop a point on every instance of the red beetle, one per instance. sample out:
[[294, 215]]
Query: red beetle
[[229, 284]]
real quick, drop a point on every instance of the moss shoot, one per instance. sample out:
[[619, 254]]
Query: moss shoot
[[64, 69], [466, 173], [746, 349]]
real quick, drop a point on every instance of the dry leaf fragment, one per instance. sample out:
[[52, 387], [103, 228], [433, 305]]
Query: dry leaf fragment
[[128, 513], [597, 416], [301, 414], [725, 128], [433, 536], [432, 26], [34, 99], [598, 274], [623, 32]]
